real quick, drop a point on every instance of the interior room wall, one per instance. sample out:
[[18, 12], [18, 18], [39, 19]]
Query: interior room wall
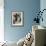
[[43, 6], [1, 20], [29, 7]]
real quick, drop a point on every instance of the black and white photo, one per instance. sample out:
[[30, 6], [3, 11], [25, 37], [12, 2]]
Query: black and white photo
[[17, 18]]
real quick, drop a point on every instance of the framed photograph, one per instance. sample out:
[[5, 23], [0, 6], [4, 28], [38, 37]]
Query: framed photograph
[[17, 18]]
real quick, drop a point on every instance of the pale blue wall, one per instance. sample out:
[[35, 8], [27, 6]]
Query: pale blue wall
[[29, 7], [43, 6]]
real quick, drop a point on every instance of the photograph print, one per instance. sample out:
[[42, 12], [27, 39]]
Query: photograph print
[[17, 18]]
